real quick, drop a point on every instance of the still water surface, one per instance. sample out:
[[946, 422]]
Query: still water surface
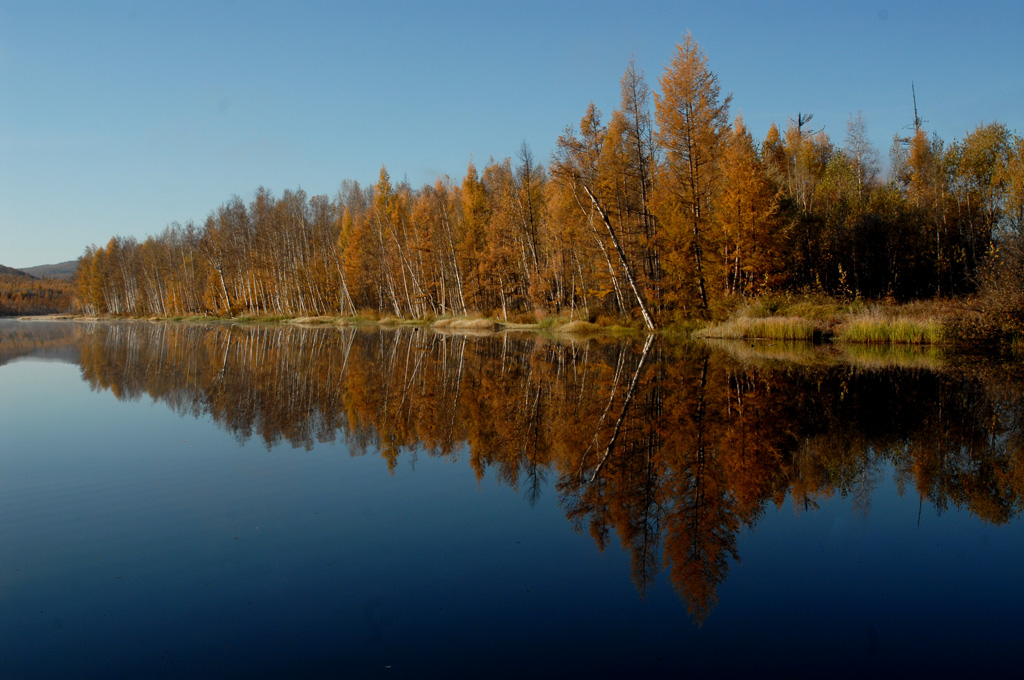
[[185, 501]]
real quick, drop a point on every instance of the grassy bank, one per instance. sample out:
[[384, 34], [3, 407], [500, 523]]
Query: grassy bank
[[822, 319], [874, 328], [792, 328]]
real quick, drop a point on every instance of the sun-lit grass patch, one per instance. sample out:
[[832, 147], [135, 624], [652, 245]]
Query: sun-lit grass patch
[[881, 329], [465, 324], [763, 328], [819, 318]]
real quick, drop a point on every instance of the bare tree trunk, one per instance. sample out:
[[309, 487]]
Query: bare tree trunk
[[607, 258], [648, 321]]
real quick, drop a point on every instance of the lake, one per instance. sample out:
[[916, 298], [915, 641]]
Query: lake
[[274, 501]]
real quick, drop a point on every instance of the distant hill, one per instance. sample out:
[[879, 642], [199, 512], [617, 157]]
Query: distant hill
[[64, 270], [11, 271], [22, 294]]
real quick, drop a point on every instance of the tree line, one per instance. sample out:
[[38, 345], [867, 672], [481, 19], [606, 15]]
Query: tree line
[[663, 210]]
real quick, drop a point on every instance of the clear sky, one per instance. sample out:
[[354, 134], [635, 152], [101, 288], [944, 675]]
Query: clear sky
[[122, 117]]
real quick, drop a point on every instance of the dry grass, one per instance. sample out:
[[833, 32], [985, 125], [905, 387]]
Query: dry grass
[[519, 326], [824, 310], [464, 324], [816, 317], [476, 324], [764, 328], [878, 328], [312, 320]]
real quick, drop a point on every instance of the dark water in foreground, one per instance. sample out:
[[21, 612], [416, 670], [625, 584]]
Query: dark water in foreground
[[182, 501]]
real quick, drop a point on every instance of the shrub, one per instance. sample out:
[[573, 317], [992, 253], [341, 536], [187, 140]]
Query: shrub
[[524, 318]]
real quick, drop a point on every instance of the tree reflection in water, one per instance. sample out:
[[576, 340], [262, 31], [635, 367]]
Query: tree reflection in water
[[672, 448]]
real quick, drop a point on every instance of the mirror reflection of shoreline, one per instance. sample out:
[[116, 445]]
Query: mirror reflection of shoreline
[[671, 448], [40, 340]]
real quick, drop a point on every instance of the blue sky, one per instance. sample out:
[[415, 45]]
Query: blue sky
[[122, 117]]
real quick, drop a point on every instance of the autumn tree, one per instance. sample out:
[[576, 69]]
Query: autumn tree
[[693, 122], [506, 258], [583, 276], [436, 215], [472, 241], [746, 208], [1013, 226], [628, 159], [577, 165], [979, 165]]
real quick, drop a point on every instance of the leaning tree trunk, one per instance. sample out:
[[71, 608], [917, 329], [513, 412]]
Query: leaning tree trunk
[[648, 321]]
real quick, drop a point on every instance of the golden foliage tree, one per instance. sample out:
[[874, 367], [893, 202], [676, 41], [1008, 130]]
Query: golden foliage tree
[[746, 208], [693, 122]]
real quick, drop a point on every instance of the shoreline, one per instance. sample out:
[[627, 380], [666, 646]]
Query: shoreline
[[805, 320], [470, 324]]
